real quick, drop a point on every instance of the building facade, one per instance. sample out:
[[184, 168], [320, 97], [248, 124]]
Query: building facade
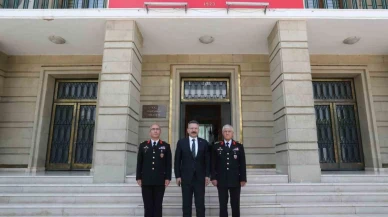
[[301, 100]]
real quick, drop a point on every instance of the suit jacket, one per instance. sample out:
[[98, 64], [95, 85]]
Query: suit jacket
[[228, 164], [186, 165], [154, 163]]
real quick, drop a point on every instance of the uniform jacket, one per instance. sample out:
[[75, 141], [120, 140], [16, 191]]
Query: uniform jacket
[[228, 164], [154, 164]]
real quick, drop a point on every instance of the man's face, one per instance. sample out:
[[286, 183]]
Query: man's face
[[227, 133], [155, 131], [192, 130]]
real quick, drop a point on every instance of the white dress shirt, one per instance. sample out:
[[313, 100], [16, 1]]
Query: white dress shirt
[[229, 143], [152, 142], [196, 144]]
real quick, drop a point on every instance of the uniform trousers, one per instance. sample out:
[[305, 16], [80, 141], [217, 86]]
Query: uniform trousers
[[223, 197], [153, 200]]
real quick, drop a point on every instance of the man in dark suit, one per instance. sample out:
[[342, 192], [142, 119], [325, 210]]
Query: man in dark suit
[[228, 171], [192, 170], [153, 172]]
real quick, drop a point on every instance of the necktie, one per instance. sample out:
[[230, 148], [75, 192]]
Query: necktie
[[193, 148], [154, 144], [227, 144]]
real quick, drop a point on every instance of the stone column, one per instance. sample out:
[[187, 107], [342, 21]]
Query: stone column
[[295, 136], [3, 61], [118, 102]]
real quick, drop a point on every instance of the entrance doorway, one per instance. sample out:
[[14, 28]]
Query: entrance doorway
[[339, 137], [72, 125], [206, 100], [211, 118]]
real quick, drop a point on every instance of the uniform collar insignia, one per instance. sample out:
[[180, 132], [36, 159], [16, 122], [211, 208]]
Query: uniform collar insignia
[[222, 143], [149, 141], [160, 141], [234, 143]]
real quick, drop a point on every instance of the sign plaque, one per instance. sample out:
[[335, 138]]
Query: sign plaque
[[154, 111]]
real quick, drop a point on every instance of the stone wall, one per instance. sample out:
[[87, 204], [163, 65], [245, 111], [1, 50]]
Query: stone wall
[[21, 83], [377, 66], [256, 97], [18, 102]]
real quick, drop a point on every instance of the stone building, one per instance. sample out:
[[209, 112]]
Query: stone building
[[301, 97]]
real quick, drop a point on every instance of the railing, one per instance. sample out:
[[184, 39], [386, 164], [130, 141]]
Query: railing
[[52, 4], [347, 4]]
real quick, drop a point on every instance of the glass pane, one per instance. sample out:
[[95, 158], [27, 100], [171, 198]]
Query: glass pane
[[348, 134], [325, 134], [332, 90], [206, 132], [77, 90], [61, 136], [85, 135], [12, 4], [205, 90]]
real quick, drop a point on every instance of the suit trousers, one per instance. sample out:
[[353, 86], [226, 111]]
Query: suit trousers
[[234, 200], [153, 200], [196, 187]]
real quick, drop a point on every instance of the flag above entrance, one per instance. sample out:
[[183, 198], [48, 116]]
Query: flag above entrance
[[206, 3]]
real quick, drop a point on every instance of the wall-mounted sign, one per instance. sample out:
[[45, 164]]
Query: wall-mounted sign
[[154, 111], [206, 3]]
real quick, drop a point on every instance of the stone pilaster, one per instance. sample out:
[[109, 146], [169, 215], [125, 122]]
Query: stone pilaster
[[119, 101], [3, 62], [295, 136]]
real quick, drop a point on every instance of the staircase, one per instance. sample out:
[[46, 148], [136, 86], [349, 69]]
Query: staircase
[[269, 195]]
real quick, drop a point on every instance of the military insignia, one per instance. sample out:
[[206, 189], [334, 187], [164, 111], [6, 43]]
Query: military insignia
[[234, 142], [235, 156], [219, 149], [161, 155], [163, 147], [145, 149], [221, 143], [236, 149]]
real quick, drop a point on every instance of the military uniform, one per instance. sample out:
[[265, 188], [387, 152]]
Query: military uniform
[[229, 169], [153, 168]]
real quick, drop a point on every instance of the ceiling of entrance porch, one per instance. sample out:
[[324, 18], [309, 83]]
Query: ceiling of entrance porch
[[180, 36]]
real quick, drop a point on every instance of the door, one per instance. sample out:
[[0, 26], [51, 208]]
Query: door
[[209, 118], [72, 126], [338, 133]]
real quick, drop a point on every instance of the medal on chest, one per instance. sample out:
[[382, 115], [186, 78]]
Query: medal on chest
[[145, 149], [235, 155], [161, 151]]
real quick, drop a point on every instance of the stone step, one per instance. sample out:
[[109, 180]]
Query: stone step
[[254, 179], [176, 210], [46, 179], [176, 198], [354, 178], [333, 215], [173, 188]]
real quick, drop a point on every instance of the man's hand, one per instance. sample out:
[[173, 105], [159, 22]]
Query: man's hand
[[178, 181], [207, 180], [139, 182], [166, 182], [243, 184], [214, 182]]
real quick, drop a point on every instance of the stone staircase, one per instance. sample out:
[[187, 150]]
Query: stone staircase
[[270, 195]]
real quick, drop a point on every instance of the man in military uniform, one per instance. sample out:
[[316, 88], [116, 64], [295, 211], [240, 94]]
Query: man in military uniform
[[228, 171], [153, 172]]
